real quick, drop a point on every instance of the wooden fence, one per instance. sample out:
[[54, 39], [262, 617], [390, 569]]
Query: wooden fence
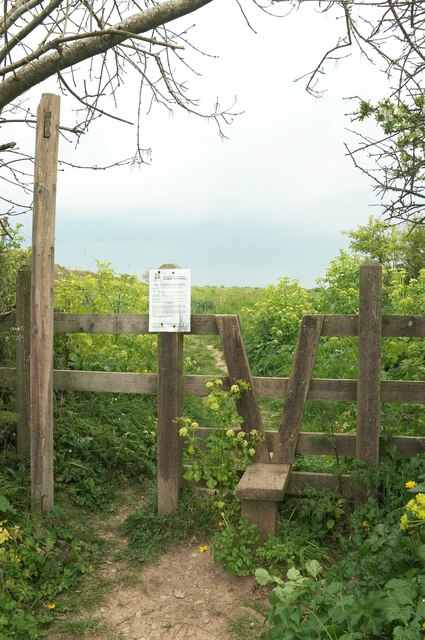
[[170, 384]]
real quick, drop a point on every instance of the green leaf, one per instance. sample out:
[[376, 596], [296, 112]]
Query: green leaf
[[293, 574], [5, 506], [263, 577], [313, 568]]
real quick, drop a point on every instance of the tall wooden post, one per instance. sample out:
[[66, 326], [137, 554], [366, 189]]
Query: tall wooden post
[[42, 281], [170, 406], [23, 325], [369, 370]]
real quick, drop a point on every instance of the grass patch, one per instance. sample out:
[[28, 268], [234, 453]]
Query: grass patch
[[81, 628], [248, 627], [151, 534]]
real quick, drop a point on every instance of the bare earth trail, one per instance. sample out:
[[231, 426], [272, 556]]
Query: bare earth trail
[[182, 596]]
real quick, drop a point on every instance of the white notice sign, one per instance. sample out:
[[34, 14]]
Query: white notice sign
[[169, 300]]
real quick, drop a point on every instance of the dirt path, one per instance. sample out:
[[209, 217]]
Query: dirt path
[[218, 357], [184, 596]]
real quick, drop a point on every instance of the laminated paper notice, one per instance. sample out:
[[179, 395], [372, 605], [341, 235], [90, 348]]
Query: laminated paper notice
[[169, 300]]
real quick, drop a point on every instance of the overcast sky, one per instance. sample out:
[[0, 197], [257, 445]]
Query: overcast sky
[[270, 201]]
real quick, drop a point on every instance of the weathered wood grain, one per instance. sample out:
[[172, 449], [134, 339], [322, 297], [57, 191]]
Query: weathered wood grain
[[264, 481], [329, 390], [42, 282], [205, 324], [238, 367], [170, 406], [297, 389], [369, 369], [262, 513], [131, 323], [392, 325], [105, 381], [325, 390], [344, 444], [301, 479]]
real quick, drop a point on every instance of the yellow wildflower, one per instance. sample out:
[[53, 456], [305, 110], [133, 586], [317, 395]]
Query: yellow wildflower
[[251, 452], [51, 606], [202, 549], [183, 431], [365, 524], [191, 449], [417, 506], [194, 425], [234, 388], [404, 522], [4, 533], [230, 433], [410, 484], [209, 384]]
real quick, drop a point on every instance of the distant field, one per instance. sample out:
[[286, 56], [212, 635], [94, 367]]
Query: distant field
[[224, 299]]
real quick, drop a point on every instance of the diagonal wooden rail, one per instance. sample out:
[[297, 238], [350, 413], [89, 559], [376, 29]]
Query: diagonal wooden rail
[[238, 367], [262, 486]]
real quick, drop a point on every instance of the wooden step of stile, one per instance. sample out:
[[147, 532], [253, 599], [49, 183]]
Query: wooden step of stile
[[260, 489], [263, 481]]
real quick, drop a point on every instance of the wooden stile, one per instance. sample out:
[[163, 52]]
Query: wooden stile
[[297, 389], [369, 370], [42, 282], [238, 367], [23, 326], [263, 485]]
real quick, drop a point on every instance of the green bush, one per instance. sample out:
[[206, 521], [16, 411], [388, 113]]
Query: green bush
[[103, 292]]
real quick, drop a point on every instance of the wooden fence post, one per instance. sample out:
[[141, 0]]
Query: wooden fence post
[[42, 282], [170, 406], [369, 370], [23, 309]]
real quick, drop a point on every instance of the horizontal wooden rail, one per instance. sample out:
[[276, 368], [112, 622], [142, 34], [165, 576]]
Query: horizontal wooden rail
[[272, 388], [344, 444], [205, 324], [392, 391], [105, 382], [300, 480], [130, 323]]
